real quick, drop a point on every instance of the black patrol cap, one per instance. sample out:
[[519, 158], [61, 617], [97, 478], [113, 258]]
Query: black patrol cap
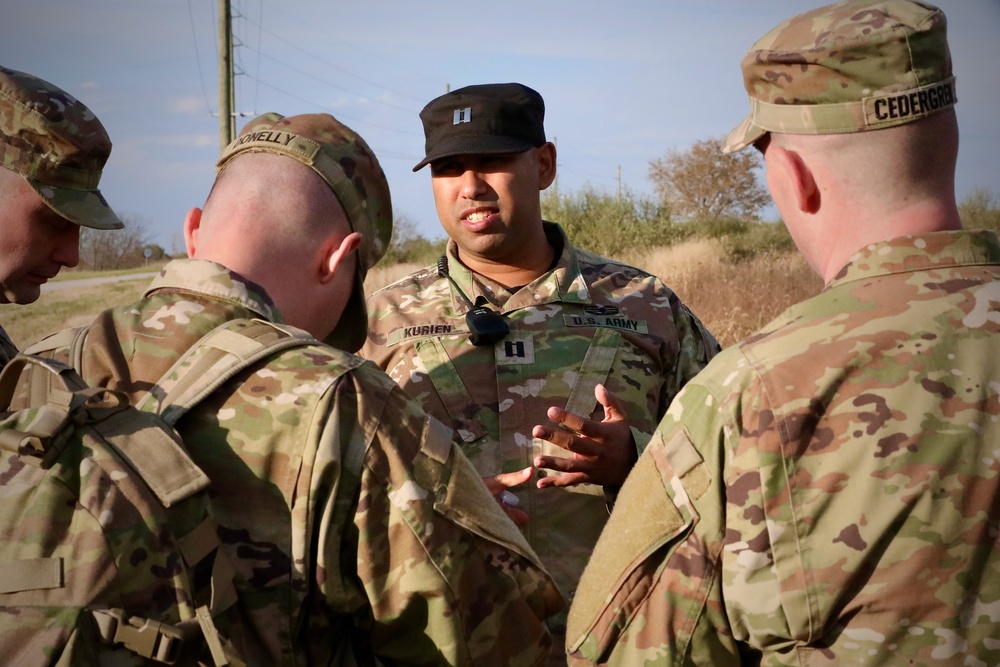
[[482, 120]]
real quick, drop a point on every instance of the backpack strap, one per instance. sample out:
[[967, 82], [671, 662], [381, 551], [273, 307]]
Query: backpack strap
[[71, 339], [65, 341], [208, 364], [165, 643], [220, 355], [216, 358], [159, 459], [38, 433]]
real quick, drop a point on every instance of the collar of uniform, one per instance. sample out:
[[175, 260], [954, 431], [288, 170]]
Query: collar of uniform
[[465, 280], [215, 280], [563, 283], [566, 278], [935, 250]]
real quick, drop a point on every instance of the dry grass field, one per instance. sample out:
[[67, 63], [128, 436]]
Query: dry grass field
[[732, 299], [68, 307]]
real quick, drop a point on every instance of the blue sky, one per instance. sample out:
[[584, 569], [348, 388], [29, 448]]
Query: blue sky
[[623, 81]]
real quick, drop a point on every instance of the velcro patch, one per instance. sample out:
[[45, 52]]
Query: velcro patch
[[515, 351], [606, 321], [397, 336], [645, 519], [909, 104]]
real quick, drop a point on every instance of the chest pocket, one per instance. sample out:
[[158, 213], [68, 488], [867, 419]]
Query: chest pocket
[[593, 371], [471, 422], [450, 388]]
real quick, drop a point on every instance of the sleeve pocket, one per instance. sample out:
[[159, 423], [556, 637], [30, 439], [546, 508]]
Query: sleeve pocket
[[652, 517], [460, 495]]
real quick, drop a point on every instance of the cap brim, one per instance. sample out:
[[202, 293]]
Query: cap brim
[[745, 134], [474, 145], [87, 208]]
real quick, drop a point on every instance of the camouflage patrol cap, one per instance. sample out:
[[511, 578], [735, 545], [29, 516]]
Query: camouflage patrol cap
[[342, 158], [58, 145], [485, 119], [847, 67]]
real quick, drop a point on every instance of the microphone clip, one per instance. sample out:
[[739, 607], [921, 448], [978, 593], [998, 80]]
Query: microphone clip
[[486, 326]]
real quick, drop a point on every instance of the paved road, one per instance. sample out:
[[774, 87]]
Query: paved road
[[90, 282]]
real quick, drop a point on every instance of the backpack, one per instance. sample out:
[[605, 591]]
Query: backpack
[[108, 550]]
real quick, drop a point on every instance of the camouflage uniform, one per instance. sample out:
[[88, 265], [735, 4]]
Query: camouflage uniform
[[7, 348], [827, 492], [60, 148], [589, 320], [58, 145], [411, 563]]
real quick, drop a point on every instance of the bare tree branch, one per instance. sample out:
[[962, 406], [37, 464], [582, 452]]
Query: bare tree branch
[[705, 184]]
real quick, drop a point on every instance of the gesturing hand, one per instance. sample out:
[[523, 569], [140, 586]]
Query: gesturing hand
[[603, 451], [498, 485]]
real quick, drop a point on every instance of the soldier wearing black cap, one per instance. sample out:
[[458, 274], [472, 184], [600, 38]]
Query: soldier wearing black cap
[[53, 149], [515, 328]]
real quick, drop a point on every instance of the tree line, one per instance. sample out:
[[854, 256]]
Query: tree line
[[112, 250], [698, 192]]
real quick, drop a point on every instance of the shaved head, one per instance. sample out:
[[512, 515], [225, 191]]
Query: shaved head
[[275, 221], [892, 166], [251, 197]]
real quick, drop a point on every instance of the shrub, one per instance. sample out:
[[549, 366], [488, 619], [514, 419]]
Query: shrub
[[609, 224]]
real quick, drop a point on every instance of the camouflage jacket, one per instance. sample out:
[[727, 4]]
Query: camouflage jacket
[[828, 491], [413, 564], [7, 348], [589, 320]]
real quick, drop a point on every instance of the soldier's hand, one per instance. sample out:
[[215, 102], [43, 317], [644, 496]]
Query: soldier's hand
[[603, 451], [498, 485]]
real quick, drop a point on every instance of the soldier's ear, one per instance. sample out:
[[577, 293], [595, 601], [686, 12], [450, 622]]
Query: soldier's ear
[[333, 255], [192, 223], [546, 165], [797, 177]]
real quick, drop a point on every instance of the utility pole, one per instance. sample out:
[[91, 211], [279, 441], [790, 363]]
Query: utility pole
[[227, 120]]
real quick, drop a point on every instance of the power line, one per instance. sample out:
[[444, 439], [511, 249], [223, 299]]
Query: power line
[[339, 115], [334, 85], [197, 55], [339, 68], [260, 22], [339, 39]]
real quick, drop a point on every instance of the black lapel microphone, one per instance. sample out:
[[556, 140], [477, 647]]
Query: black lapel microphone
[[486, 326]]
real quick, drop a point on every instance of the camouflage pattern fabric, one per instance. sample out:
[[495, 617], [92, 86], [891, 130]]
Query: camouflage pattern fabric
[[827, 492], [847, 67], [58, 145], [589, 320], [7, 348], [412, 563]]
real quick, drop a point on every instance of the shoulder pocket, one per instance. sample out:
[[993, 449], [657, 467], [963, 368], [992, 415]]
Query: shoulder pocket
[[652, 517], [461, 495]]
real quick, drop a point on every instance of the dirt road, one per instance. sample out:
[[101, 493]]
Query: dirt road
[[89, 282]]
